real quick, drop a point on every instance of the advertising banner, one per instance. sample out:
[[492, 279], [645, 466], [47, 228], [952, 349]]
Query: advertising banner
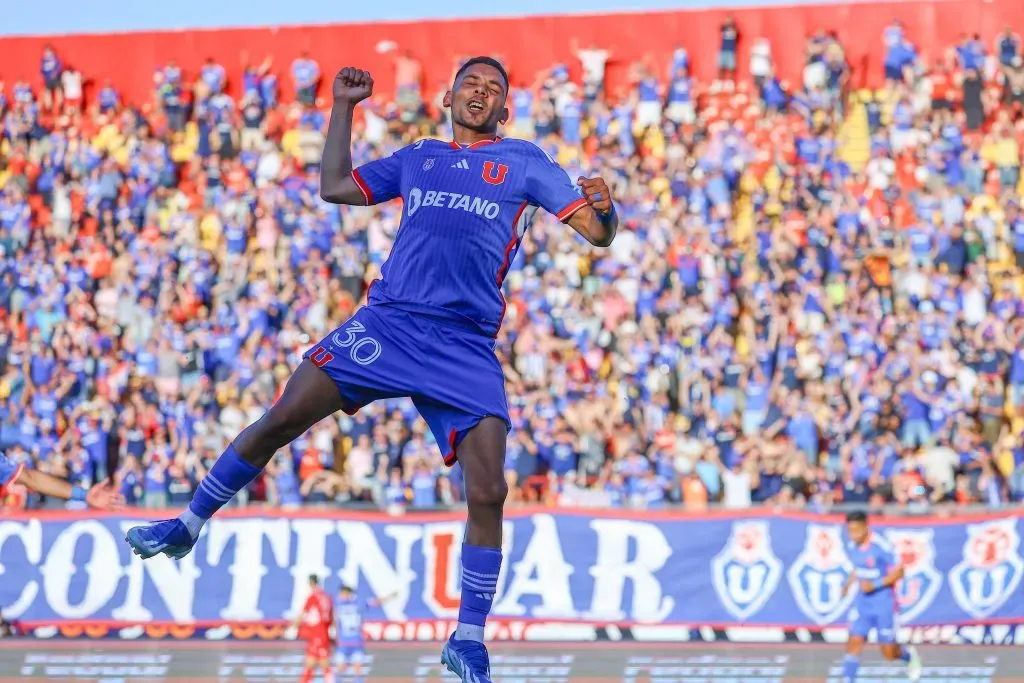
[[657, 569]]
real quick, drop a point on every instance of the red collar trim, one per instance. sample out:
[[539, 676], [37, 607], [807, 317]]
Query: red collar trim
[[478, 143]]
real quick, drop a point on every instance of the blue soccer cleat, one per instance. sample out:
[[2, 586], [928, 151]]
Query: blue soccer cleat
[[169, 537], [467, 659]]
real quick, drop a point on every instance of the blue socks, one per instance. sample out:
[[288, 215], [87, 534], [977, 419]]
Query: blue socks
[[904, 654], [850, 665], [229, 475], [480, 568]]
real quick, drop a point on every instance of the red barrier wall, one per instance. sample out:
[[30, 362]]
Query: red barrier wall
[[528, 44]]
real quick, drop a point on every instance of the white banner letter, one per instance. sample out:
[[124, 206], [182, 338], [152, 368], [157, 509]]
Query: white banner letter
[[363, 556], [247, 570], [103, 570], [310, 557], [174, 581], [613, 568], [543, 571], [31, 535]]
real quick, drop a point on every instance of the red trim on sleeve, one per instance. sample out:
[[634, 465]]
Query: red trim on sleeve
[[363, 187], [566, 213], [14, 477]]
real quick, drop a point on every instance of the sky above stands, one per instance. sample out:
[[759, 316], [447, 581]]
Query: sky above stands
[[112, 16]]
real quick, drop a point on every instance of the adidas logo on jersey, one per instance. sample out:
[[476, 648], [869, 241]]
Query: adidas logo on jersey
[[461, 163]]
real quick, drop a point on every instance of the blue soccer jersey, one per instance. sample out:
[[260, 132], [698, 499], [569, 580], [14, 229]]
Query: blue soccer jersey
[[9, 471], [466, 211], [348, 622], [873, 561]]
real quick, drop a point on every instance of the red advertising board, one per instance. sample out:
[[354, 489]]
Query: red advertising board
[[527, 44]]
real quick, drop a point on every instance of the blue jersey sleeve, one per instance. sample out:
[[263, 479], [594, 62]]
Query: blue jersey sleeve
[[549, 187], [381, 179], [9, 471]]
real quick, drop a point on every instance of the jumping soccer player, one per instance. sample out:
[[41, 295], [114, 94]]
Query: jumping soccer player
[[314, 624], [877, 570], [102, 496], [429, 325]]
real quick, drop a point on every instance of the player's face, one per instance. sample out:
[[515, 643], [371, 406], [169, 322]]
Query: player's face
[[858, 531], [477, 100]]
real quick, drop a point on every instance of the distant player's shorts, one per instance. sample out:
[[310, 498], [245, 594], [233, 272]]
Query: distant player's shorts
[[893, 72], [350, 654], [884, 622], [727, 60], [318, 649], [648, 114], [681, 113], [450, 372]]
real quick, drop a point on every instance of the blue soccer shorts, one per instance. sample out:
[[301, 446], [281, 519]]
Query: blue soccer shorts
[[449, 371], [883, 621], [350, 653]]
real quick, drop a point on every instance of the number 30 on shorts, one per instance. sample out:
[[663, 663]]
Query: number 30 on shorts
[[363, 350]]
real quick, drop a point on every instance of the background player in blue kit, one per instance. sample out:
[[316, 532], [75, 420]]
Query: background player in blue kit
[[876, 569], [102, 496], [348, 630], [428, 328]]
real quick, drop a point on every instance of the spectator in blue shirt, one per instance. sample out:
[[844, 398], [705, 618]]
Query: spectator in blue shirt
[[305, 78]]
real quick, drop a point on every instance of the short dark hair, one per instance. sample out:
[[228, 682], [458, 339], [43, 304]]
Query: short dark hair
[[314, 579], [345, 589], [489, 61], [857, 516]]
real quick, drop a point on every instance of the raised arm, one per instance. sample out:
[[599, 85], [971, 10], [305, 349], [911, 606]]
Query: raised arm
[[103, 496], [337, 184], [585, 206]]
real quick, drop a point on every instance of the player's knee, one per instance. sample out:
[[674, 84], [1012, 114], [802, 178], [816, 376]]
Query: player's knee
[[487, 494], [279, 426]]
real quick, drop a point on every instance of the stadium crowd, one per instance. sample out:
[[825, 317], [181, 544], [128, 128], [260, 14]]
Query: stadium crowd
[[771, 324]]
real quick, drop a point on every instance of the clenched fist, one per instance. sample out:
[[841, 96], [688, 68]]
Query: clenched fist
[[352, 85], [595, 191]]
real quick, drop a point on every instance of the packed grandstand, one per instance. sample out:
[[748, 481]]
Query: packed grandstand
[[816, 297]]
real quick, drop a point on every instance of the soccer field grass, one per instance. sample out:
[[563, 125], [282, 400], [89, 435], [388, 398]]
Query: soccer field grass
[[124, 662]]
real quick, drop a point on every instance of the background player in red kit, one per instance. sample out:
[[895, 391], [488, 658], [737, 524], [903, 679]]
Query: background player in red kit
[[314, 624]]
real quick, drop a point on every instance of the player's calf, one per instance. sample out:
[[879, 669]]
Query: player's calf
[[482, 455], [893, 652], [851, 662]]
